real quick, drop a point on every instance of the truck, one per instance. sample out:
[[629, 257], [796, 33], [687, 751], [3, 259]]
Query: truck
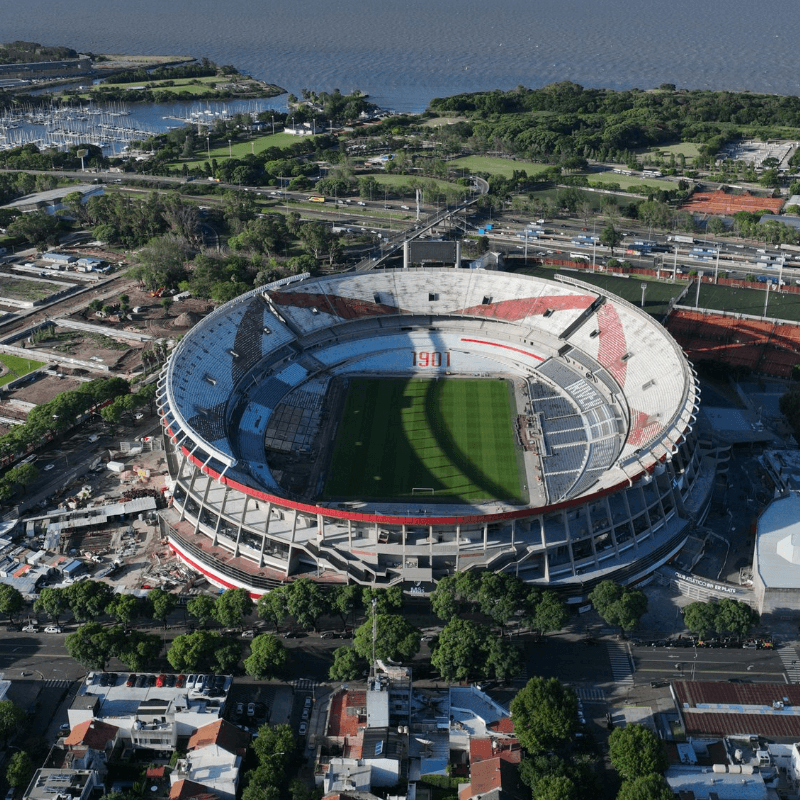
[[682, 239]]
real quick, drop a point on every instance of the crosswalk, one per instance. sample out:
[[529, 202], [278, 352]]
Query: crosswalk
[[590, 695], [304, 684], [57, 684], [791, 661], [621, 664]]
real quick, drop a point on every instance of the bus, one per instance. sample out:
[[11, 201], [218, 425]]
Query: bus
[[579, 256], [316, 199]]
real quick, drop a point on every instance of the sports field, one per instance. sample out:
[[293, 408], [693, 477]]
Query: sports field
[[453, 436]]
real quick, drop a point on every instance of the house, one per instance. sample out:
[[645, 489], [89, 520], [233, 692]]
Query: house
[[75, 784], [494, 778], [214, 757], [90, 745]]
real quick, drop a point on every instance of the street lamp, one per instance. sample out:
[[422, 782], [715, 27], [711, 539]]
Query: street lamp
[[208, 147]]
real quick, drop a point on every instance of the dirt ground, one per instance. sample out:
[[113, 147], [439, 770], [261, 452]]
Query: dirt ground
[[45, 389], [152, 319]]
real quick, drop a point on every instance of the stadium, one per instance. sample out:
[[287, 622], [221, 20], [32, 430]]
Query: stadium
[[397, 426]]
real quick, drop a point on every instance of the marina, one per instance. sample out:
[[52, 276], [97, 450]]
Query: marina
[[113, 126]]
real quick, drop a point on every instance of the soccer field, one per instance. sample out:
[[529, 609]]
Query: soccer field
[[453, 436]]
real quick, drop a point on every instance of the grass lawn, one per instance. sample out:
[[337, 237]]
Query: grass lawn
[[495, 166], [656, 299], [237, 149], [17, 367], [625, 181], [20, 289], [193, 85], [454, 436], [689, 149]]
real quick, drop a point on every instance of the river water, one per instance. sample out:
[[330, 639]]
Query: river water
[[404, 54]]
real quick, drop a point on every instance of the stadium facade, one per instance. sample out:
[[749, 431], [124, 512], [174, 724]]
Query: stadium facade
[[606, 405]]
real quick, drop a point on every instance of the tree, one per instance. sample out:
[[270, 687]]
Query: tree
[[636, 751], [267, 657], [232, 606], [396, 640], [51, 601], [444, 598], [273, 741], [88, 599], [345, 600], [193, 651], [20, 770], [136, 650], [125, 608], [386, 600], [551, 613], [460, 651], [736, 617], [555, 787], [618, 605], [647, 787], [305, 602], [24, 475], [347, 666], [11, 717], [227, 654], [271, 607], [92, 645], [162, 604], [11, 600], [500, 596], [39, 228], [700, 618], [610, 237], [201, 607], [545, 713]]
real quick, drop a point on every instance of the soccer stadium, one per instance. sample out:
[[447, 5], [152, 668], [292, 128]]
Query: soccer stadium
[[393, 427]]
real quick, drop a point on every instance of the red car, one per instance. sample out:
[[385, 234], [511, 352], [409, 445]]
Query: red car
[[161, 680], [181, 681]]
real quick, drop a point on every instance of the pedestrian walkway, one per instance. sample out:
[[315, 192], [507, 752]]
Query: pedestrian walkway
[[621, 664], [304, 684], [791, 661], [590, 694], [58, 684]]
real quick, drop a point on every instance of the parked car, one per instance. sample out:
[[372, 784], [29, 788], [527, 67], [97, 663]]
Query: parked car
[[151, 680], [307, 703], [190, 681], [326, 635], [306, 713], [251, 709], [53, 629], [13, 626], [131, 679], [239, 709], [30, 628], [141, 681], [198, 684], [180, 682], [248, 634], [171, 680], [64, 728], [161, 679], [302, 729]]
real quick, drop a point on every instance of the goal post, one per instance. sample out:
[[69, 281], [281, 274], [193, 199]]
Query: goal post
[[422, 490]]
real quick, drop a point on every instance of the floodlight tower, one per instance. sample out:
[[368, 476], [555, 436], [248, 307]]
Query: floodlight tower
[[81, 155]]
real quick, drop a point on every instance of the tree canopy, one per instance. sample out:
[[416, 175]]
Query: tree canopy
[[545, 713], [267, 657], [635, 751], [619, 605], [396, 640]]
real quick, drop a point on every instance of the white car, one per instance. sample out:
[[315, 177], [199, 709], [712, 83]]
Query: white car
[[302, 729], [48, 467], [53, 629], [29, 628]]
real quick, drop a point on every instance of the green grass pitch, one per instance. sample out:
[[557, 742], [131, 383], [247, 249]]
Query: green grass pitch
[[454, 436]]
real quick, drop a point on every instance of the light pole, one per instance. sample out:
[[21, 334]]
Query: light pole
[[230, 149], [208, 148], [273, 124]]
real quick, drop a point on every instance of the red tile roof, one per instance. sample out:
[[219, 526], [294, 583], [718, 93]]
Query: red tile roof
[[93, 733], [502, 725], [495, 773], [480, 749], [182, 790], [221, 733], [722, 724], [156, 773]]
